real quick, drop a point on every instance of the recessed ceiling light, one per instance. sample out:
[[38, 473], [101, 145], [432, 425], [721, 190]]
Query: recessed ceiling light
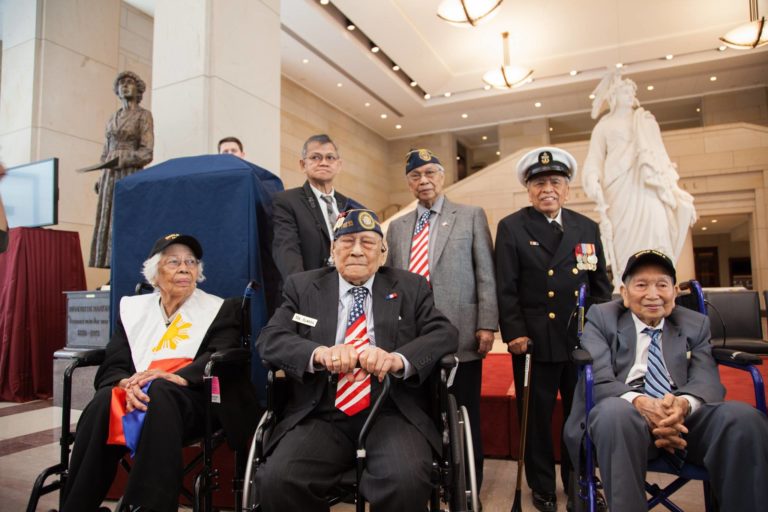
[[324, 2], [704, 228], [650, 87], [487, 87], [375, 49], [537, 104], [427, 96], [414, 83], [713, 221], [304, 61], [447, 95], [464, 116], [383, 116], [713, 78], [367, 104], [339, 84], [498, 153], [485, 137], [458, 158], [669, 56], [398, 126], [573, 72], [698, 109], [619, 65], [350, 27], [395, 68], [591, 96], [551, 129], [722, 48]]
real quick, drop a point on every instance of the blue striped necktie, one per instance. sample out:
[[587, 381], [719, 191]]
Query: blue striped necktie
[[656, 377]]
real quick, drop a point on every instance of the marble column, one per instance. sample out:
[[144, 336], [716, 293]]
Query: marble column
[[216, 66], [59, 61]]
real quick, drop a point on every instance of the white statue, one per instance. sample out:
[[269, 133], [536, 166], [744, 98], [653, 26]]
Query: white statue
[[629, 175]]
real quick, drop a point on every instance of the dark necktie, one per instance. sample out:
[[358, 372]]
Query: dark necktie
[[656, 377], [328, 199]]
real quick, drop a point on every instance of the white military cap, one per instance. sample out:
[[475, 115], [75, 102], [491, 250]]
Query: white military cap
[[546, 160]]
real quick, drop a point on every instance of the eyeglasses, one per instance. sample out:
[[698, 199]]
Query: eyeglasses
[[317, 158], [416, 176], [174, 263]]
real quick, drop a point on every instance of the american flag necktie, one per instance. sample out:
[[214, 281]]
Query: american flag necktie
[[353, 397], [656, 377], [419, 263]]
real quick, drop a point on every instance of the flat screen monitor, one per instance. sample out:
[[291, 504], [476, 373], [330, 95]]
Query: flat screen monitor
[[30, 194]]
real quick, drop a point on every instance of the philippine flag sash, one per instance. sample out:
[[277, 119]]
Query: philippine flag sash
[[155, 346]]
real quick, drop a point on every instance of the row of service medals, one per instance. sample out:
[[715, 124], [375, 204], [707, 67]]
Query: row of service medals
[[586, 259]]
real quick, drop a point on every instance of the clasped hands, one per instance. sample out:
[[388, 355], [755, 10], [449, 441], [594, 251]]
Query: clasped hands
[[665, 417], [343, 358], [135, 398]]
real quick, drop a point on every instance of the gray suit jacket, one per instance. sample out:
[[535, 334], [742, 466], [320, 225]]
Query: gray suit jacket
[[610, 338], [461, 270]]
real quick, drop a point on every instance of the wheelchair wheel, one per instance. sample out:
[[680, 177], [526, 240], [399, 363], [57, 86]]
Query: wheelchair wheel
[[250, 492], [462, 485]]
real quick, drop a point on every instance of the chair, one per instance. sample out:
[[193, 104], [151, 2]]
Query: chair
[[585, 485], [453, 471], [218, 375], [735, 320]]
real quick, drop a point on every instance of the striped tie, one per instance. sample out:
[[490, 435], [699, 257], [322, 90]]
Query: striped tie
[[419, 263], [353, 397], [656, 377]]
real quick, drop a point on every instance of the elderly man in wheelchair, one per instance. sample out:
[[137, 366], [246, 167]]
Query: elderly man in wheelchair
[[657, 393], [339, 332]]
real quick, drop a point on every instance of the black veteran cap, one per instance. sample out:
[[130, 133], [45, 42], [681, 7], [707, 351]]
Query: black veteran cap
[[646, 257], [355, 221], [418, 157], [546, 160], [175, 238]]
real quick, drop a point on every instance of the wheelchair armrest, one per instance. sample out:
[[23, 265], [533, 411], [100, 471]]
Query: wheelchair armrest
[[91, 357], [725, 355], [231, 355], [581, 357], [448, 361]]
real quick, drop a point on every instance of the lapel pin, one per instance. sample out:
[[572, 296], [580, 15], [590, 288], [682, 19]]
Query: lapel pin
[[391, 296], [444, 224], [533, 242]]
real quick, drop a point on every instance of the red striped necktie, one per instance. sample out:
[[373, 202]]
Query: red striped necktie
[[353, 397], [419, 263]]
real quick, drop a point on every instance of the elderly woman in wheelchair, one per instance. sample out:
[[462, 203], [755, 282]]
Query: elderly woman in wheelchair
[[337, 334], [149, 397]]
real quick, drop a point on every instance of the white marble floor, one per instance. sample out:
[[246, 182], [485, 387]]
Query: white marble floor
[[29, 442]]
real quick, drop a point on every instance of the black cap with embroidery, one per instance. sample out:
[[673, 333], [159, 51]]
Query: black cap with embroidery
[[418, 157], [175, 238], [649, 257]]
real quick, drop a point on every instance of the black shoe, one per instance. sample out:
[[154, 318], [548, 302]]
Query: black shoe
[[545, 501]]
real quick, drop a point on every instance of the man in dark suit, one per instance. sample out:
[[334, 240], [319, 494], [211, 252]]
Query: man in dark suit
[[331, 319], [304, 216], [543, 253], [657, 391], [453, 244]]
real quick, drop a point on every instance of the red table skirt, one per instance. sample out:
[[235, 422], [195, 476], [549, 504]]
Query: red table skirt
[[39, 265]]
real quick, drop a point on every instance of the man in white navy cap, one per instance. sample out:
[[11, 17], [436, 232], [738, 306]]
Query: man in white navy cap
[[543, 253]]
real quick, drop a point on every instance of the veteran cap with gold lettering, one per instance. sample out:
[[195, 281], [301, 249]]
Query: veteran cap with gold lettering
[[175, 238], [355, 221], [418, 157], [649, 257], [546, 160]]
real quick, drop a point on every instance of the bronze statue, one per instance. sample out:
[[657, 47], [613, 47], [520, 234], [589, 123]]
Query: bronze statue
[[128, 148]]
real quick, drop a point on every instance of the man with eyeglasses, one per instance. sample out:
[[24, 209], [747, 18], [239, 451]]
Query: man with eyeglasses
[[450, 244], [304, 216], [544, 252]]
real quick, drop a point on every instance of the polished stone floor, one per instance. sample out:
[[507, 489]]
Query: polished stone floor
[[29, 442]]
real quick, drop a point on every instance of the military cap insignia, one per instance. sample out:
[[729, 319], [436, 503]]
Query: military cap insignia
[[425, 155], [172, 236], [545, 157], [366, 220]]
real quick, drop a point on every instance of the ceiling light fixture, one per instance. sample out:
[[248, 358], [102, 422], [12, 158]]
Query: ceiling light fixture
[[713, 78], [591, 96], [619, 65], [350, 26], [704, 228], [447, 94], [486, 87], [485, 137], [395, 68], [383, 116], [464, 116], [414, 83], [498, 153], [427, 96], [339, 84], [537, 104], [375, 49], [650, 87], [669, 57], [398, 126], [324, 2], [713, 221], [305, 61], [722, 48], [748, 35], [507, 76], [573, 72], [462, 13], [367, 104]]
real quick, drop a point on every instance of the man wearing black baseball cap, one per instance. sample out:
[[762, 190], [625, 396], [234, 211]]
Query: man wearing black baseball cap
[[658, 393]]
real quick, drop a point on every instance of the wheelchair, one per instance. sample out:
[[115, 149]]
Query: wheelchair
[[453, 470], [218, 375], [584, 485]]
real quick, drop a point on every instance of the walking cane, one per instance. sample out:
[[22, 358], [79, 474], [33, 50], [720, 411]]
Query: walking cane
[[517, 506]]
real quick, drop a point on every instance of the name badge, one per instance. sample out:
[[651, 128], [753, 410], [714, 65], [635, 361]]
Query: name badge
[[306, 320]]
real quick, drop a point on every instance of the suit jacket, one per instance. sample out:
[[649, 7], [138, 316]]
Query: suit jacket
[[611, 339], [301, 240], [460, 270], [405, 321], [537, 277]]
